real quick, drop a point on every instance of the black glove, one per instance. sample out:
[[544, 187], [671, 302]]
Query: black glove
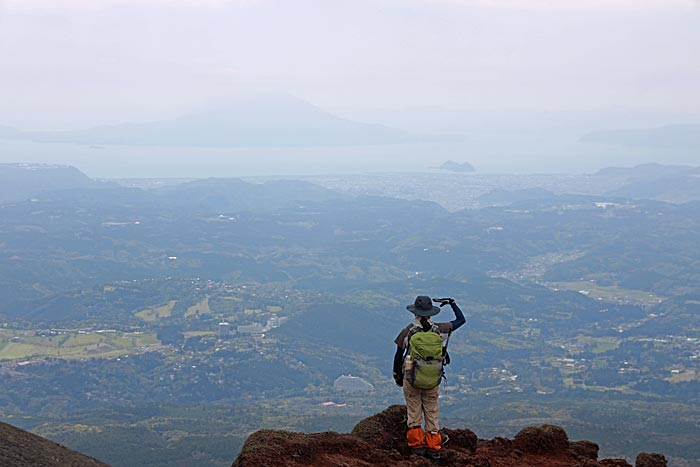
[[398, 379], [444, 301]]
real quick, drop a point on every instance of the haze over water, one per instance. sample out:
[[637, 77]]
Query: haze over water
[[155, 162], [460, 69]]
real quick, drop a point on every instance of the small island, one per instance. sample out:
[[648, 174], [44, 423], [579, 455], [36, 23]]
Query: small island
[[452, 166]]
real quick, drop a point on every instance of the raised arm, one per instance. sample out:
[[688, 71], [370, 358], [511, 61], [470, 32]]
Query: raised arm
[[459, 316]]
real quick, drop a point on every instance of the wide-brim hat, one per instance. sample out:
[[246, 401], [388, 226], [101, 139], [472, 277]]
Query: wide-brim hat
[[423, 306]]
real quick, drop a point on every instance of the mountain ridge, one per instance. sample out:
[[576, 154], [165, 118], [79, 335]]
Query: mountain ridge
[[20, 448], [678, 136], [22, 181]]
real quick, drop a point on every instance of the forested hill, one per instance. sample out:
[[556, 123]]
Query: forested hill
[[19, 182]]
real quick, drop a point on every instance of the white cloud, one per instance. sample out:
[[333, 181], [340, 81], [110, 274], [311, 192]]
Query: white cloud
[[571, 4], [553, 5], [149, 54], [92, 5]]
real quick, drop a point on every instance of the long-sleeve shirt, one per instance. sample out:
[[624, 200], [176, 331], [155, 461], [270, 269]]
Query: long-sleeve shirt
[[446, 327]]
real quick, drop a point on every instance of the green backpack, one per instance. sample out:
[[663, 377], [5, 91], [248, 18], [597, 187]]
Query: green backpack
[[428, 355]]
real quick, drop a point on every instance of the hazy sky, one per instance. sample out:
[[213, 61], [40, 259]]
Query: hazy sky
[[71, 62]]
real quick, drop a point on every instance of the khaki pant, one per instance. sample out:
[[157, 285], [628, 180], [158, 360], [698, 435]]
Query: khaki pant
[[419, 403]]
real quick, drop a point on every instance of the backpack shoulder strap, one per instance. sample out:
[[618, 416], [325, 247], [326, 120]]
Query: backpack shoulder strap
[[412, 329], [445, 355], [447, 341]]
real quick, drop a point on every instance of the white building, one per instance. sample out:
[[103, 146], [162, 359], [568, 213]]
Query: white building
[[224, 330], [251, 329], [349, 383]]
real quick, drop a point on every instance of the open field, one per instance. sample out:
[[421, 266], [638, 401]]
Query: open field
[[598, 345], [20, 346], [611, 293], [199, 309], [155, 313], [189, 334]]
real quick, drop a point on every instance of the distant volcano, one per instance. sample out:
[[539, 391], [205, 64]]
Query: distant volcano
[[279, 121]]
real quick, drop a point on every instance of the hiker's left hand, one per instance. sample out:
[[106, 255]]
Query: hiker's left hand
[[444, 301]]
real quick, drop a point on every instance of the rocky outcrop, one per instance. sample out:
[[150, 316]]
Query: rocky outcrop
[[646, 459], [541, 439], [584, 449], [19, 448], [464, 167], [380, 441]]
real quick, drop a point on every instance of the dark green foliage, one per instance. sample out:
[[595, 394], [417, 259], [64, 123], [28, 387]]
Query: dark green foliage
[[171, 335]]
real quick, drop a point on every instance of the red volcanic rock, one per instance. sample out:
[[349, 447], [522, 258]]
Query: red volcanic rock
[[19, 448], [386, 429], [464, 439], [539, 439], [380, 441], [646, 459], [270, 448], [615, 463], [585, 449]]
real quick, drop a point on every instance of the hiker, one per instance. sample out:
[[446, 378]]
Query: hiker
[[421, 352]]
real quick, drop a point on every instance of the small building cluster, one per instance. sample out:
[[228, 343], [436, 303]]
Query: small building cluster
[[273, 322], [349, 383]]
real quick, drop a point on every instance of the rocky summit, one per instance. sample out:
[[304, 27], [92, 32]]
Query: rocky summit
[[380, 441]]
